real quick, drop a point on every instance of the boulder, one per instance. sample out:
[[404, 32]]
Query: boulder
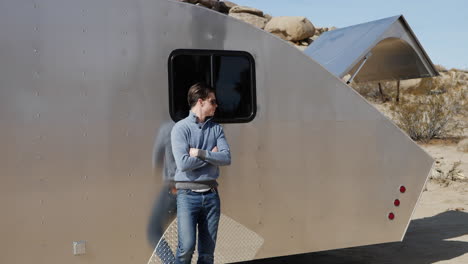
[[229, 4], [463, 145], [225, 6], [267, 17], [246, 9], [300, 47], [257, 21], [291, 28], [212, 4]]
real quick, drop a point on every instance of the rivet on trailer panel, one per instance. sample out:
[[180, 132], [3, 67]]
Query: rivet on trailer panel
[[257, 166], [209, 36]]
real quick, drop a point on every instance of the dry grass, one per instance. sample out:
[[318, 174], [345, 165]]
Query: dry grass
[[428, 117], [436, 108], [370, 90], [455, 174]]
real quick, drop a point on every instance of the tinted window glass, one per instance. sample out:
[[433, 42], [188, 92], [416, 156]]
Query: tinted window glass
[[187, 70], [232, 81], [230, 73]]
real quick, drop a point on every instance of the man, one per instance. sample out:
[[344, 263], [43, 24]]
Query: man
[[199, 147]]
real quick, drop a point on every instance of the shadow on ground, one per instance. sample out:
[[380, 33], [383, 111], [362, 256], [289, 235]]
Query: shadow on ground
[[425, 243]]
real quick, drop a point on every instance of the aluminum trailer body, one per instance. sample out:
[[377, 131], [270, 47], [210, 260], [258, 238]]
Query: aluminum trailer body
[[84, 89]]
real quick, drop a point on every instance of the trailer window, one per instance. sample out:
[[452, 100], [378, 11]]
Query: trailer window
[[230, 73]]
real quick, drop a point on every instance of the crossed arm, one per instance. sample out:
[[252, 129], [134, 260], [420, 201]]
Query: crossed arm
[[187, 158], [220, 155]]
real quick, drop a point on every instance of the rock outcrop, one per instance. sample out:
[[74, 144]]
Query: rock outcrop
[[246, 9], [255, 20], [291, 28], [299, 31]]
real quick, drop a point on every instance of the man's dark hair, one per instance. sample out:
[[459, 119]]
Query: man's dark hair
[[198, 91]]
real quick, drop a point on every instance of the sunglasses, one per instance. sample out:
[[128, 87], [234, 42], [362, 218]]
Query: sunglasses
[[213, 102]]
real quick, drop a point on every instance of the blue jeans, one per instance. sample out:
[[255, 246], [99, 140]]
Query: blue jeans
[[202, 209]]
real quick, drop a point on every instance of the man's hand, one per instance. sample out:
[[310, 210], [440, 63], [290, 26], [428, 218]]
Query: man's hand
[[193, 152]]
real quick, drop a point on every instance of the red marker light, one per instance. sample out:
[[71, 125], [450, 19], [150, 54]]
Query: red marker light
[[402, 189], [391, 216], [396, 202]]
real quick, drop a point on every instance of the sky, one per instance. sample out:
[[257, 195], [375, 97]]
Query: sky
[[440, 26]]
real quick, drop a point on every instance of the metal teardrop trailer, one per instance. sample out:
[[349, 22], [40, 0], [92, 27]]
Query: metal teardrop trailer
[[84, 86]]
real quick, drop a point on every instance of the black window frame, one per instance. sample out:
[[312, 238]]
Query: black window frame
[[212, 53]]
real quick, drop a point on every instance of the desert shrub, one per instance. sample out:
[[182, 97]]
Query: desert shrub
[[370, 90], [453, 174], [428, 117], [426, 85], [440, 68]]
